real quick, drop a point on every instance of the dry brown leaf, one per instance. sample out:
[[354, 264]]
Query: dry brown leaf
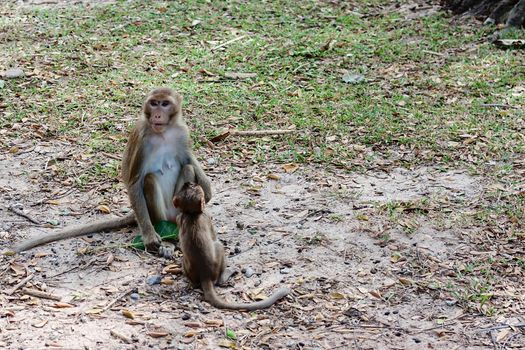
[[191, 333], [405, 281], [273, 177], [61, 305], [104, 209], [228, 344], [172, 269], [337, 296], [93, 311], [220, 137], [290, 167], [214, 323], [158, 334], [19, 269], [40, 324], [128, 313], [236, 75], [193, 324], [168, 281], [375, 293], [53, 202]]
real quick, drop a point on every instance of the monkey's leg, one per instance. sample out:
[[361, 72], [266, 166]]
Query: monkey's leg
[[224, 274], [157, 212]]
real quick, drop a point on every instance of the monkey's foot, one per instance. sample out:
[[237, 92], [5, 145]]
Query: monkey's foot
[[167, 250], [226, 275]]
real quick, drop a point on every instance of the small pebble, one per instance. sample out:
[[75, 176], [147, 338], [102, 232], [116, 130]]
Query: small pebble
[[134, 296], [151, 280], [248, 272], [185, 317], [212, 161], [14, 73], [237, 250], [285, 271]]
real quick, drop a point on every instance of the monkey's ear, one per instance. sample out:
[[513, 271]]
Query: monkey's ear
[[203, 202], [179, 99], [176, 202]]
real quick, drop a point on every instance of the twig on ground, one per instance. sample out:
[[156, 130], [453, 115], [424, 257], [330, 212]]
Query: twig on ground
[[518, 325], [24, 215], [261, 132], [20, 284], [114, 301], [122, 337], [501, 105], [41, 294], [248, 133], [228, 42]]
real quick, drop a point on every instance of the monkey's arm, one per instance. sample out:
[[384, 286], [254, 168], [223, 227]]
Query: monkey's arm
[[201, 178], [76, 231]]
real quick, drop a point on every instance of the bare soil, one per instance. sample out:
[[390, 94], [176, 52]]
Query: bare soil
[[326, 234]]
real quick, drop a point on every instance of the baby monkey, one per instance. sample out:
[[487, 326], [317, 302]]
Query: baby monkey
[[203, 255]]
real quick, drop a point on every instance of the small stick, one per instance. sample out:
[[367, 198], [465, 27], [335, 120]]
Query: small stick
[[108, 306], [496, 105], [40, 294], [261, 132], [20, 284], [228, 42], [519, 325], [24, 215], [121, 337]]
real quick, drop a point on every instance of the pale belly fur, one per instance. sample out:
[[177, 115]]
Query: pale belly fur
[[164, 164]]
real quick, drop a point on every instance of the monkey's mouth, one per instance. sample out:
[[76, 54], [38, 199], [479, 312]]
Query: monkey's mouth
[[158, 127]]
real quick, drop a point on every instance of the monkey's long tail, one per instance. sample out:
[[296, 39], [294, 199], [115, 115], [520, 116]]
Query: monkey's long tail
[[211, 296], [76, 231]]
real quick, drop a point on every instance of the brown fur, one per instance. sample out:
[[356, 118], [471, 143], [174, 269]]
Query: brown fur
[[158, 160], [203, 255]]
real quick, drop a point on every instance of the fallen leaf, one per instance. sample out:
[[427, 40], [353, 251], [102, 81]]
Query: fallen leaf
[[224, 343], [168, 281], [337, 296], [375, 293], [39, 324], [172, 269], [214, 323], [191, 333], [157, 334], [128, 314], [351, 78], [362, 217], [235, 75], [231, 334], [104, 209], [53, 202], [60, 305], [290, 167], [19, 270], [192, 324], [405, 281], [220, 137], [273, 177], [93, 311]]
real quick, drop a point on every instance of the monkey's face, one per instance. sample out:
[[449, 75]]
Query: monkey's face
[[159, 110]]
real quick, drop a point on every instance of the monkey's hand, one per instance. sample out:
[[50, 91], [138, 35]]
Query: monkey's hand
[[167, 250], [151, 240]]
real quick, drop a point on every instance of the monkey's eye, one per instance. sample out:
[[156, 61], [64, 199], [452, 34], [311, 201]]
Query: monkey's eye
[[165, 103], [153, 103]]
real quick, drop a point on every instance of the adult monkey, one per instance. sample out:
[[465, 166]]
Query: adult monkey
[[157, 162]]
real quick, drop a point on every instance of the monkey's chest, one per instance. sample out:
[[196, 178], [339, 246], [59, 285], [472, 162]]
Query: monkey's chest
[[164, 164]]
